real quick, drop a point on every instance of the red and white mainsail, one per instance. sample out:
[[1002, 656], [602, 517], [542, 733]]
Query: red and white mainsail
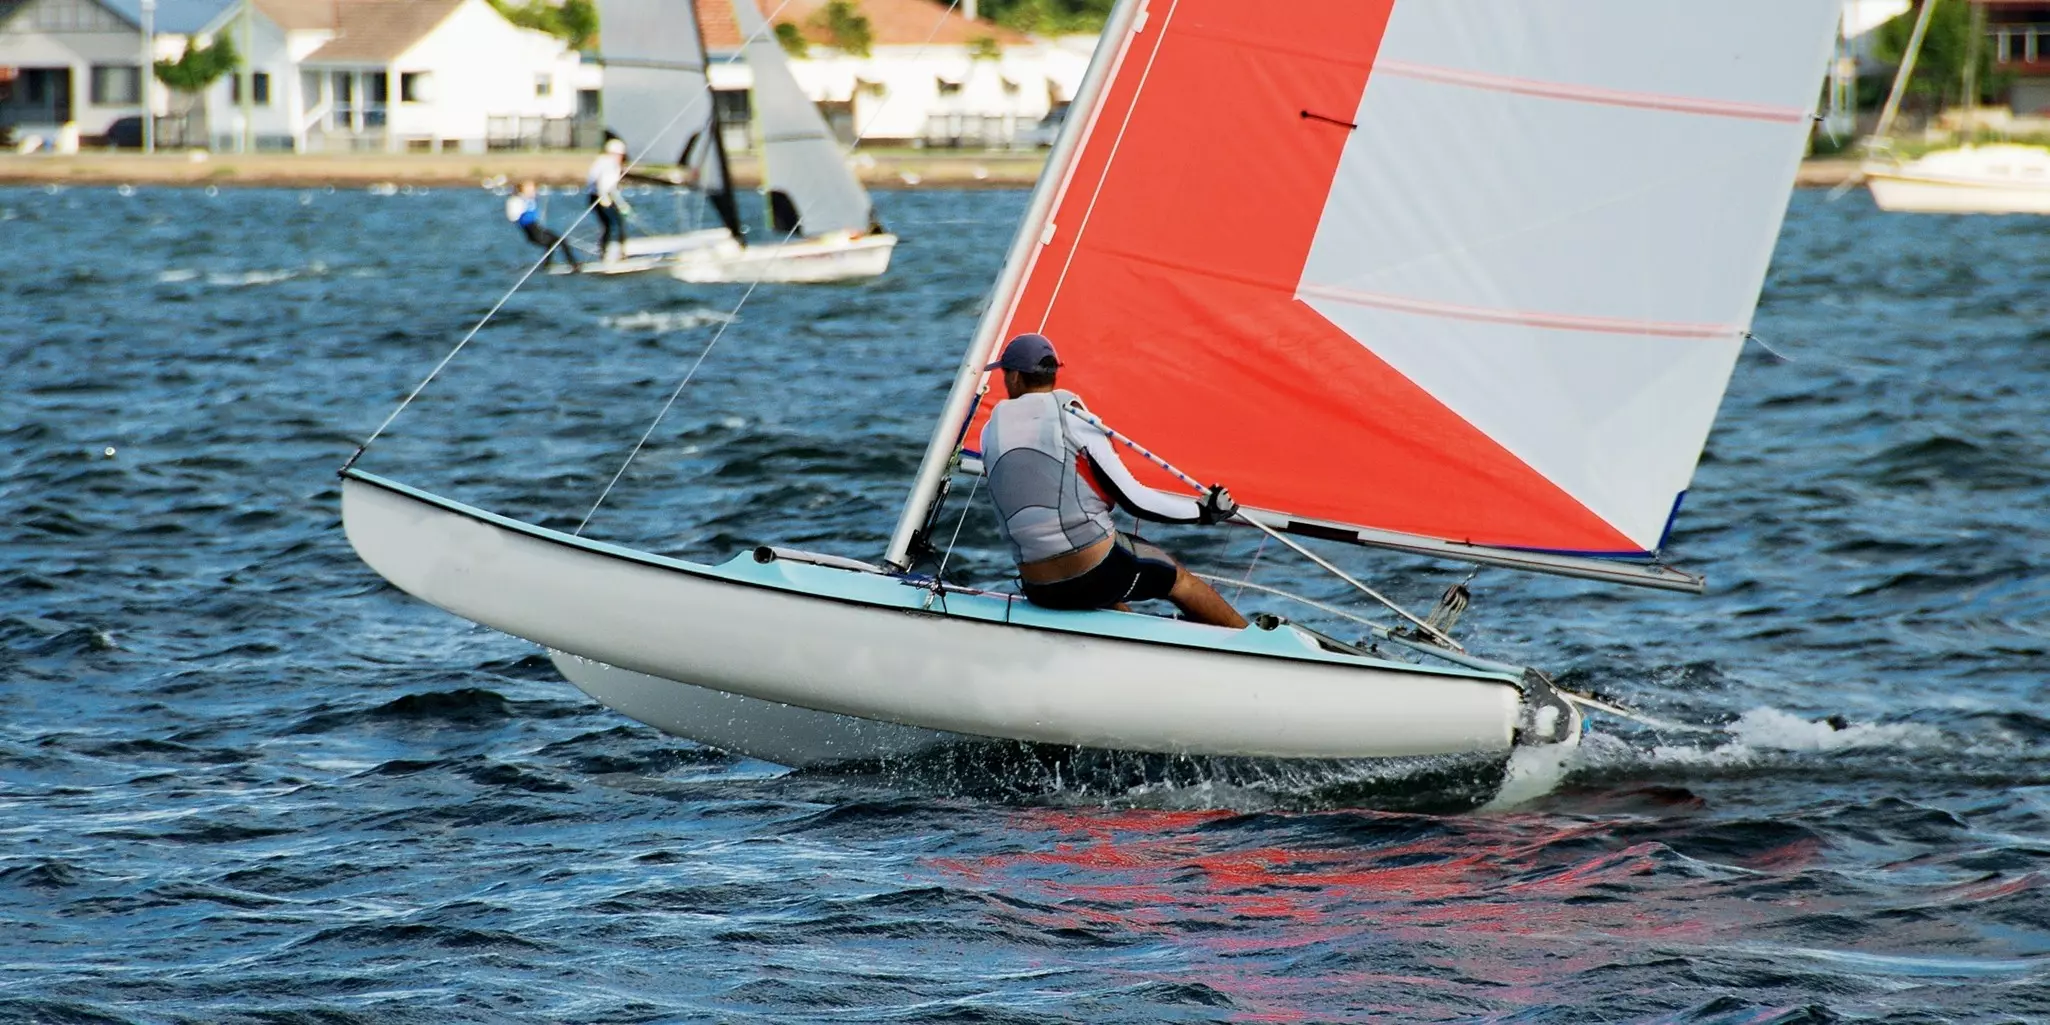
[[1466, 270]]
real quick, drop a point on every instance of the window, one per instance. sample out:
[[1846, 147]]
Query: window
[[76, 16], [259, 89], [116, 84], [544, 86], [416, 87], [949, 88]]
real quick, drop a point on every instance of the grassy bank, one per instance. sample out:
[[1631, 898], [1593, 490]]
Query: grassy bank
[[878, 169]]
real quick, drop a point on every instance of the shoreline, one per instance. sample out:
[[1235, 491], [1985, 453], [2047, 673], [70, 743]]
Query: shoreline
[[877, 169], [888, 169]]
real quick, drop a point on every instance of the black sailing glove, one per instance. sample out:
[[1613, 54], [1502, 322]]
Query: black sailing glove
[[1217, 506]]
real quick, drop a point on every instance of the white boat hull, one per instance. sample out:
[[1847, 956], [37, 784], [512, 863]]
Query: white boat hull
[[713, 257], [768, 730], [655, 252], [1902, 194], [1998, 179], [880, 648], [807, 261]]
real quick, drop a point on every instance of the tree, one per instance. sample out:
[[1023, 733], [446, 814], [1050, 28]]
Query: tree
[[846, 26], [1049, 17], [199, 66], [985, 48], [1948, 45], [573, 21], [791, 38]]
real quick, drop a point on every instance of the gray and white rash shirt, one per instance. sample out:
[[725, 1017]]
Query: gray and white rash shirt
[[1054, 479]]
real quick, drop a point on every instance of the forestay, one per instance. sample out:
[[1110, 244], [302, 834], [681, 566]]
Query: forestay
[[802, 161], [1467, 270]]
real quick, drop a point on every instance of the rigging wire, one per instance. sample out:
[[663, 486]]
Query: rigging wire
[[939, 577], [562, 240], [1250, 567], [1075, 245], [734, 313], [731, 315]]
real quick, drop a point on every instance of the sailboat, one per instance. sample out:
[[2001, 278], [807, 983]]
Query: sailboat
[[1468, 283], [2003, 178], [657, 98]]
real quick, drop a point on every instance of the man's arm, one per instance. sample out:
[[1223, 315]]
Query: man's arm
[[1121, 488]]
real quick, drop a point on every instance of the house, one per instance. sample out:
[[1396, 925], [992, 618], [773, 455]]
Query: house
[[2019, 31], [391, 75], [79, 63], [2017, 37], [932, 77]]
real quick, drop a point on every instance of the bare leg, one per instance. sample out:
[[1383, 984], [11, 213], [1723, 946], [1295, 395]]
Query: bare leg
[[1200, 603]]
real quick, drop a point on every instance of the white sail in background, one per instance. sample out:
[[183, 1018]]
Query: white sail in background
[[802, 160], [655, 95]]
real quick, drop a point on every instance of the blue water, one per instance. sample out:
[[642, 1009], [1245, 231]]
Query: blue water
[[243, 780]]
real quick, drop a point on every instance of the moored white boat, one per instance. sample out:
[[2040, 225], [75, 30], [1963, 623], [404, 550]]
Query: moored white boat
[[1997, 179]]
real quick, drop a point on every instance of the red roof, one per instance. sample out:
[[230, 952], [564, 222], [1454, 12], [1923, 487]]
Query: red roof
[[891, 23]]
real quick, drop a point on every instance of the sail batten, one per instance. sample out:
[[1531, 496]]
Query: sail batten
[[1470, 270], [1585, 94]]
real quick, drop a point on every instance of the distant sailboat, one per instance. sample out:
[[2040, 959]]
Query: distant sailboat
[[1468, 282], [1997, 179], [657, 98]]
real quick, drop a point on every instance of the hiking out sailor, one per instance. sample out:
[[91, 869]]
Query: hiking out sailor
[[1054, 479], [523, 209], [601, 187]]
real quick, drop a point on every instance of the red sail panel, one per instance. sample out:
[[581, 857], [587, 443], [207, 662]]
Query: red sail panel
[[1169, 289]]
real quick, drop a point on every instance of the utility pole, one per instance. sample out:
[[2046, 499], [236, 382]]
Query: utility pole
[[247, 76], [1976, 26], [149, 76]]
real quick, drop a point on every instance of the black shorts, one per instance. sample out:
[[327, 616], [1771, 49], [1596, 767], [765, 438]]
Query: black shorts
[[1133, 571]]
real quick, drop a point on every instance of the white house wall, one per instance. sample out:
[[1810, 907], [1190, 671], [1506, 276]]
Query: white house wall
[[482, 67], [896, 91], [268, 49], [105, 39]]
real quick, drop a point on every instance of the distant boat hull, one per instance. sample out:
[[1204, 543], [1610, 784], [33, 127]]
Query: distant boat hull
[[1971, 180], [657, 252], [807, 261], [714, 257], [867, 646]]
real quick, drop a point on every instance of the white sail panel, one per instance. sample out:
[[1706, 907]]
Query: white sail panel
[[801, 158], [1559, 229], [655, 93]]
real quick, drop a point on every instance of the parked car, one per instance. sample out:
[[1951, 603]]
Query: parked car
[[1043, 131], [124, 133]]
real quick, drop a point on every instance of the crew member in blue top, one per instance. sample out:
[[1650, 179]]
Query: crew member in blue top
[[522, 209], [1054, 479]]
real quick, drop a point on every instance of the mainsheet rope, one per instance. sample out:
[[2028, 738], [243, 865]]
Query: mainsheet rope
[[561, 240], [734, 313]]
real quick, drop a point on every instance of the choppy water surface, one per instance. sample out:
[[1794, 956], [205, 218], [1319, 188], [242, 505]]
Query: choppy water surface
[[243, 780]]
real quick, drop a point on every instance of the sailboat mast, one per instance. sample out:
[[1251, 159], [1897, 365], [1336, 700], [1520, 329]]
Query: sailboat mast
[[721, 198], [1906, 72], [1033, 232]]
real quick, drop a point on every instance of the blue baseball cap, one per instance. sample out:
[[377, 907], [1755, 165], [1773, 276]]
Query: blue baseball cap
[[1027, 354]]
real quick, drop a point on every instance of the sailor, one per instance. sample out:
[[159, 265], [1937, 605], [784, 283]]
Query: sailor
[[1054, 478], [602, 188], [523, 209]]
